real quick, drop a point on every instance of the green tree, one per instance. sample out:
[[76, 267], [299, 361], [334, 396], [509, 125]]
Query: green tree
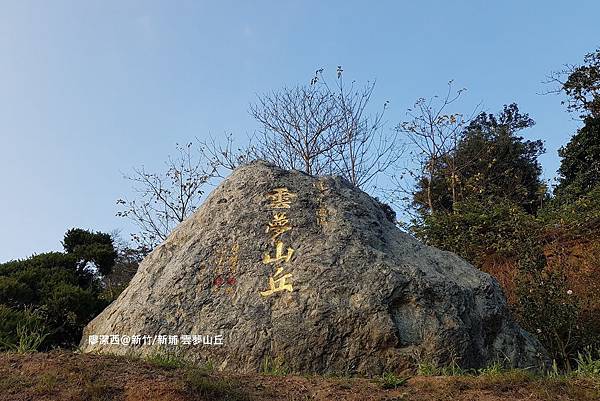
[[490, 161], [55, 294], [91, 248], [581, 84], [579, 169], [500, 164]]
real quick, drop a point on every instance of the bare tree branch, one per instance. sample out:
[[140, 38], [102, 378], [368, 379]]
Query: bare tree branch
[[324, 129], [164, 200], [433, 134]]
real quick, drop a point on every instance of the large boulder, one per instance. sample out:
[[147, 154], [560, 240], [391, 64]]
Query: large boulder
[[312, 272]]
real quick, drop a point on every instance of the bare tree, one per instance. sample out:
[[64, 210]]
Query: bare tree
[[367, 149], [225, 156], [325, 129], [433, 134], [316, 128], [300, 127], [164, 200]]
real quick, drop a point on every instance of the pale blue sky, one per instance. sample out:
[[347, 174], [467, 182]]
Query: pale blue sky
[[89, 89]]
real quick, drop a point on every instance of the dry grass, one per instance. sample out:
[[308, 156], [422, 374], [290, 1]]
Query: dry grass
[[70, 377]]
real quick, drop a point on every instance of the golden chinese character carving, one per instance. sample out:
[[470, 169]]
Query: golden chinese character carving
[[279, 284], [278, 225], [280, 198], [233, 257], [279, 255], [322, 214]]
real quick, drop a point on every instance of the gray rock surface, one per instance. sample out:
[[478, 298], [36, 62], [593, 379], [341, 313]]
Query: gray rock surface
[[347, 291]]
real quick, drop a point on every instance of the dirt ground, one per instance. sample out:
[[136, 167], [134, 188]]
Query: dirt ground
[[67, 376]]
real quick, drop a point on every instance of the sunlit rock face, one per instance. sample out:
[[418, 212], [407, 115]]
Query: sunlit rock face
[[313, 273]]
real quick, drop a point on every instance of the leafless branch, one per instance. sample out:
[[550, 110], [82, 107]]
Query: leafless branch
[[164, 200], [325, 129]]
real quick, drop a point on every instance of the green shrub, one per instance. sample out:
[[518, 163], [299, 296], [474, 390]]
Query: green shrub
[[427, 369], [576, 214], [30, 338], [14, 292], [546, 309], [477, 229], [501, 237], [452, 369], [69, 309]]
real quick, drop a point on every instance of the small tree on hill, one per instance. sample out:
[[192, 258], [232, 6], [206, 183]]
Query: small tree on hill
[[497, 163], [91, 248], [581, 84], [579, 171], [166, 199], [433, 134]]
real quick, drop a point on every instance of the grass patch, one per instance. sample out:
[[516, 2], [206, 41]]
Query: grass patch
[[493, 369], [95, 387], [199, 382], [29, 339], [46, 383], [274, 366], [12, 383], [569, 386], [430, 368], [167, 360], [345, 384], [587, 364], [391, 381], [427, 368], [428, 365], [332, 375], [98, 391], [452, 369]]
